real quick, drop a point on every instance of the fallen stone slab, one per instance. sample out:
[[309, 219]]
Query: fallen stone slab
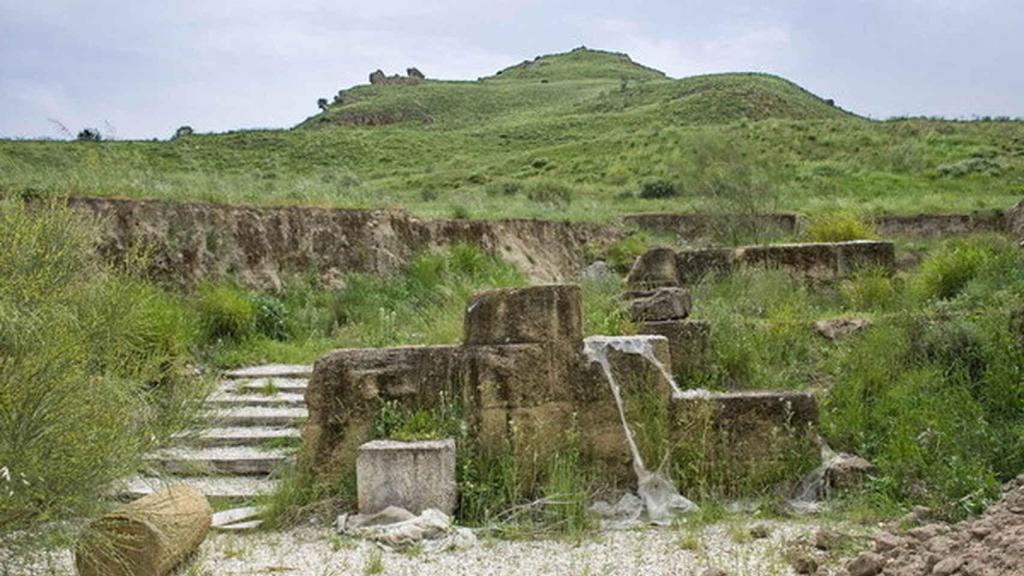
[[840, 328], [148, 537], [669, 303], [227, 518], [416, 476]]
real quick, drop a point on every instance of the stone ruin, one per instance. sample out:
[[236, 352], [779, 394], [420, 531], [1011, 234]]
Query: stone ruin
[[815, 261], [413, 76], [525, 378]]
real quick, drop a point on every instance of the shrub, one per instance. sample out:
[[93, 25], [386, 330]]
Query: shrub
[[549, 192], [949, 271], [269, 319], [91, 372], [652, 189], [504, 188], [226, 312], [621, 255], [871, 289], [840, 227], [969, 166]]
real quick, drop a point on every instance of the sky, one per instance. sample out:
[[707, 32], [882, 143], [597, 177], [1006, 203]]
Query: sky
[[141, 68]]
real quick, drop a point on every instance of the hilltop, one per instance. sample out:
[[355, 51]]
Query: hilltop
[[585, 134], [582, 82]]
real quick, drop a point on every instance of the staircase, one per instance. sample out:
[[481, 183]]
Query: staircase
[[251, 426]]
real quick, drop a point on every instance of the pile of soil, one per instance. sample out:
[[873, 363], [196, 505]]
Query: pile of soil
[[990, 545]]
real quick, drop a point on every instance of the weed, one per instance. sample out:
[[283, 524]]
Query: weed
[[840, 227]]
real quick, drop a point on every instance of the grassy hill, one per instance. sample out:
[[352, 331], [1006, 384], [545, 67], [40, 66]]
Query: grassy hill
[[582, 135]]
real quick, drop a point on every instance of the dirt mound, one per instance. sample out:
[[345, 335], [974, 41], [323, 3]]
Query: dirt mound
[[990, 545]]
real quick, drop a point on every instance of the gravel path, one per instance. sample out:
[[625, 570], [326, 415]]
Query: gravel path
[[649, 552]]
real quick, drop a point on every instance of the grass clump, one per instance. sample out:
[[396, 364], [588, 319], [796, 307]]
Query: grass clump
[[840, 227], [92, 369], [958, 263]]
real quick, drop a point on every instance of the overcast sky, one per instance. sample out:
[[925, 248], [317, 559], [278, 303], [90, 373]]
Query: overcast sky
[[141, 68]]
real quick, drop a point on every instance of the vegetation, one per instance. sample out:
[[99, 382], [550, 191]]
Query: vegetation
[[585, 135], [930, 393], [92, 368]]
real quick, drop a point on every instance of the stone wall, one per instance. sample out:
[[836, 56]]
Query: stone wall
[[821, 261]]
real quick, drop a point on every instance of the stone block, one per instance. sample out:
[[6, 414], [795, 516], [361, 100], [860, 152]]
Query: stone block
[[415, 476], [668, 303], [349, 387], [645, 395], [689, 343], [863, 254], [818, 261], [739, 444], [653, 269], [517, 389], [538, 314], [693, 265]]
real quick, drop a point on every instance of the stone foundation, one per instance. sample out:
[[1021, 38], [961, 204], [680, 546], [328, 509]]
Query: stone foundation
[[411, 475], [689, 343]]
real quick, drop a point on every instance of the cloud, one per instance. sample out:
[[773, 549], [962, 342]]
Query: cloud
[[751, 47]]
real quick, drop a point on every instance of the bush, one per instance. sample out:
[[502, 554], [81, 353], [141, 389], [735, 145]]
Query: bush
[[549, 192], [621, 255], [652, 189], [969, 166], [269, 316], [226, 312], [840, 227], [958, 263], [871, 289], [91, 369]]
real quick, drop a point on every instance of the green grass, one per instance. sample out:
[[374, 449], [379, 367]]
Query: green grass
[[578, 136], [930, 393], [93, 370]]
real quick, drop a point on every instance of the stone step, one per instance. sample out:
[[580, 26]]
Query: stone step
[[242, 460], [256, 416], [227, 399], [265, 386], [236, 517], [216, 488], [271, 371], [247, 436]]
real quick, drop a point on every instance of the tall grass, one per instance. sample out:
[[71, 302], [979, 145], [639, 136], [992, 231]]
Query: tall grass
[[92, 368]]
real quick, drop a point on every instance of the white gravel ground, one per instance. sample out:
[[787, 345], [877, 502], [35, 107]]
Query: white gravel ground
[[648, 551]]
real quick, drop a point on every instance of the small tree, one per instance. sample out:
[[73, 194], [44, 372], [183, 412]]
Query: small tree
[[89, 135], [182, 132], [322, 104]]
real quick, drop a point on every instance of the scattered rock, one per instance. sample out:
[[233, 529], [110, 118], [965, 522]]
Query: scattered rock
[[714, 572], [829, 539], [597, 271], [803, 563], [848, 471], [884, 541], [658, 305], [992, 544], [917, 515], [760, 531], [840, 328], [867, 564]]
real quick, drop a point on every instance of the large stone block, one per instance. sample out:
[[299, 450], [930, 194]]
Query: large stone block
[[668, 303], [349, 387], [819, 261], [645, 395], [693, 265], [653, 269], [538, 314], [689, 343], [415, 476], [863, 254], [738, 444], [518, 394]]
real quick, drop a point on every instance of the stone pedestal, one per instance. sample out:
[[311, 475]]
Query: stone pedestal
[[410, 475]]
